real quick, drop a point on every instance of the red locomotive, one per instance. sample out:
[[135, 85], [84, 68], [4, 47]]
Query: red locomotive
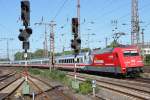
[[123, 60]]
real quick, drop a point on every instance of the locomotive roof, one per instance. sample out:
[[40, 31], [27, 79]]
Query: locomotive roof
[[71, 55], [102, 51]]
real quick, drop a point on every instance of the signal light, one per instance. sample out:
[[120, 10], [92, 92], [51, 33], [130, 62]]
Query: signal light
[[75, 25], [25, 12], [79, 41], [25, 34], [26, 45], [72, 44], [76, 45], [29, 30]]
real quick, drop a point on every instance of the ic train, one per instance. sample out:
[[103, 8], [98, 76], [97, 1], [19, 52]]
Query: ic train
[[118, 60]]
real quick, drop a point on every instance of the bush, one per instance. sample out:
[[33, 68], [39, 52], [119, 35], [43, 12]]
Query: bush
[[85, 87], [54, 74], [34, 71], [147, 59]]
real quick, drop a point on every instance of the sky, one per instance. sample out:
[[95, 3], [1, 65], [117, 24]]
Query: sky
[[96, 22]]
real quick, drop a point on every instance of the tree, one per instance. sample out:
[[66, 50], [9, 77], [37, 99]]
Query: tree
[[38, 53], [85, 49], [19, 56], [113, 44], [147, 58]]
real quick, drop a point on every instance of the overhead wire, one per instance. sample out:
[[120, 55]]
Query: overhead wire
[[124, 16], [60, 9]]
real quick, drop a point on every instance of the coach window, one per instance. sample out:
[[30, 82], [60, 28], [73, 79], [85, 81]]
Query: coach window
[[67, 60], [73, 60], [81, 60], [77, 60], [70, 60]]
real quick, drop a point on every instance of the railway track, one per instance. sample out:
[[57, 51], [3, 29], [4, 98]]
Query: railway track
[[8, 79], [3, 77], [41, 89], [143, 80], [129, 88], [11, 88], [52, 92]]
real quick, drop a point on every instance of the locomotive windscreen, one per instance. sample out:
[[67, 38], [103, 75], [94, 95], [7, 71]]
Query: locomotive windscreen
[[130, 53]]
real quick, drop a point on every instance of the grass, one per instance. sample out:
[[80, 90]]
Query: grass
[[54, 75], [19, 69], [84, 87]]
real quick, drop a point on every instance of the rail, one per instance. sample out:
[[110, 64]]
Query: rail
[[124, 89]]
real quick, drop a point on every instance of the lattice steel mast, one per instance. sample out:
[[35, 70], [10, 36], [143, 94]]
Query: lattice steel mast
[[52, 45], [135, 36]]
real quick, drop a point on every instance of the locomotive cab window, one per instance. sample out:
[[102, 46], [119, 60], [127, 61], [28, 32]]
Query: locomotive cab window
[[130, 53], [134, 53]]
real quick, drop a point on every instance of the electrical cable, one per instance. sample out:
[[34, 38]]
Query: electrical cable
[[60, 9]]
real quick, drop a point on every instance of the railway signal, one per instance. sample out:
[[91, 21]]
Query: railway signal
[[26, 45], [25, 12], [25, 17], [26, 31], [75, 26], [76, 42], [25, 34]]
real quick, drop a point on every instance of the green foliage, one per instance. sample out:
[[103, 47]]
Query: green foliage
[[147, 59], [38, 53], [19, 55], [34, 71], [54, 74], [85, 49], [18, 70], [67, 52], [113, 44], [58, 54], [86, 87]]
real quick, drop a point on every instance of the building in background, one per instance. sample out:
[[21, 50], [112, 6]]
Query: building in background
[[145, 48]]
